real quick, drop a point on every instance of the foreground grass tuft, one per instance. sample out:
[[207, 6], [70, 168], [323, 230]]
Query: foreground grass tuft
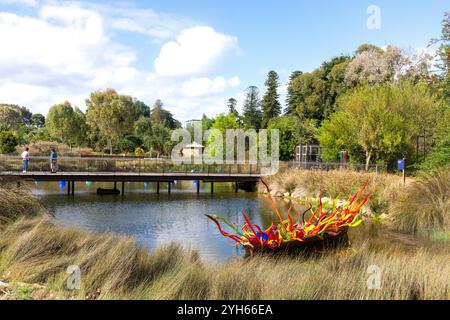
[[16, 202], [37, 251], [423, 206], [35, 254]]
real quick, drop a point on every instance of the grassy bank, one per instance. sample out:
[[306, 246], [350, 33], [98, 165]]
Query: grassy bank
[[422, 206], [16, 202], [35, 254], [37, 251]]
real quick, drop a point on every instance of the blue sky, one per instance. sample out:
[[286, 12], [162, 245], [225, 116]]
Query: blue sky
[[191, 54]]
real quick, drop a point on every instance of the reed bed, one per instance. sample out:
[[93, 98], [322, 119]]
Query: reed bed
[[423, 206], [16, 202], [35, 254], [37, 251]]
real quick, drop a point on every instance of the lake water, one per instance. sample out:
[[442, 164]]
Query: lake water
[[154, 219], [157, 219]]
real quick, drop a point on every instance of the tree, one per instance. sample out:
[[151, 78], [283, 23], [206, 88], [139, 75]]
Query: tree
[[8, 142], [231, 104], [10, 117], [336, 85], [159, 141], [25, 114], [37, 120], [109, 116], [252, 115], [313, 95], [368, 47], [66, 124], [222, 123], [381, 122], [38, 134], [142, 110], [291, 94], [143, 127], [226, 121], [288, 134], [271, 107], [159, 115], [207, 123], [129, 143], [309, 95], [375, 67], [292, 132], [443, 53]]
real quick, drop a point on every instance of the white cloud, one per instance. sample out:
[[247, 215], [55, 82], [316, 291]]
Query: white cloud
[[196, 87], [145, 21], [196, 50], [30, 3], [67, 50]]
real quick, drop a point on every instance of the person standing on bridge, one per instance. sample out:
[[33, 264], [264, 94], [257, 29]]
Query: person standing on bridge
[[53, 161], [25, 157]]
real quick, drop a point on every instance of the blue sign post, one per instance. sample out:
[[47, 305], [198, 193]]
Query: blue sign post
[[401, 167], [401, 164]]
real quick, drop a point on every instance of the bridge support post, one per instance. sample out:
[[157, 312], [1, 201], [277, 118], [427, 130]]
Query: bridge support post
[[212, 187], [198, 187], [115, 185], [123, 187], [157, 187], [73, 187], [236, 187], [169, 184], [68, 187]]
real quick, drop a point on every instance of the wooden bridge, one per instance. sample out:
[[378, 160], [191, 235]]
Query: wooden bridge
[[121, 170]]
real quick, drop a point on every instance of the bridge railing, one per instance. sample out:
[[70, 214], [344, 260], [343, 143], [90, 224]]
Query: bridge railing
[[327, 166], [123, 165]]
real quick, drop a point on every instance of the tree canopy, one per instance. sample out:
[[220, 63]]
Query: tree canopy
[[110, 116], [379, 122], [252, 115], [66, 124], [271, 107]]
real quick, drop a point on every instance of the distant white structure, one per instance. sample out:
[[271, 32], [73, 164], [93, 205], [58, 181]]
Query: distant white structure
[[192, 149]]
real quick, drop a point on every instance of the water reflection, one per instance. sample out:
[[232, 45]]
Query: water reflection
[[157, 219]]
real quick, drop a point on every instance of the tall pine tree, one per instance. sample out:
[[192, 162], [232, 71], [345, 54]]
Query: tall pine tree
[[291, 98], [271, 107], [231, 104], [252, 115]]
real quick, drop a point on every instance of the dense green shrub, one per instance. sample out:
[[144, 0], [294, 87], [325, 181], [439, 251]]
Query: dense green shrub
[[8, 142]]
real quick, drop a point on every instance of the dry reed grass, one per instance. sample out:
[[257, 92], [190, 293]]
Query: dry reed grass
[[37, 251], [16, 202], [423, 206], [43, 148]]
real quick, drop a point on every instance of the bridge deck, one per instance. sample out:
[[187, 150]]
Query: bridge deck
[[131, 176]]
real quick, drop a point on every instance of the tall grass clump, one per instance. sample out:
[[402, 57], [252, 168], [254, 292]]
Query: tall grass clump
[[37, 251], [43, 148], [16, 202], [423, 206], [336, 183]]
